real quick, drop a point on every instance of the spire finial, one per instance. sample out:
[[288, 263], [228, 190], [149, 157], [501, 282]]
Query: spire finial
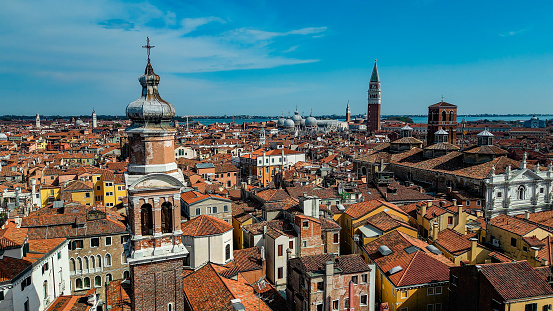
[[375, 60], [442, 98], [148, 47]]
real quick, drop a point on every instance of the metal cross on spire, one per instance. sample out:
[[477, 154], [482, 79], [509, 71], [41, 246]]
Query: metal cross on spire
[[148, 47], [442, 98]]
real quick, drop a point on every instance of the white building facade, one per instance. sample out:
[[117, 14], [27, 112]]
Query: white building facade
[[518, 191]]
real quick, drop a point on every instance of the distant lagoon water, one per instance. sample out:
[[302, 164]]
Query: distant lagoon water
[[422, 119]]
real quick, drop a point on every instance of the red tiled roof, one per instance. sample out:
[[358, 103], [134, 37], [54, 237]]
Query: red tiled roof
[[516, 280], [360, 209], [205, 225]]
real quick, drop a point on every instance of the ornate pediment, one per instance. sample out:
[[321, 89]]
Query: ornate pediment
[[525, 175], [155, 181]]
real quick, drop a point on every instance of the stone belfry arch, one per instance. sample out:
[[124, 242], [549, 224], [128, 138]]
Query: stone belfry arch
[[154, 184]]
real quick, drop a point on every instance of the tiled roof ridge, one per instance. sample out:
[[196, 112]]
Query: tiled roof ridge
[[406, 269]]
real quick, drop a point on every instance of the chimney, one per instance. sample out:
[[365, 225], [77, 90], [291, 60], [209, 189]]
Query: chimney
[[434, 231], [461, 219], [473, 245], [534, 252], [424, 207]]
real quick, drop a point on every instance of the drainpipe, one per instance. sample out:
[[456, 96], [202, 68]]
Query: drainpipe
[[350, 295]]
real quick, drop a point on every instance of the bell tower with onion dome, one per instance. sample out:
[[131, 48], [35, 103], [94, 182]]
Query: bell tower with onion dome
[[154, 183]]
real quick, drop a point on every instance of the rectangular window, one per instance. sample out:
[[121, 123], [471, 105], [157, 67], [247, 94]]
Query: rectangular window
[[525, 249], [304, 243], [124, 239], [77, 244], [430, 307], [454, 280], [109, 194], [109, 204], [335, 305], [280, 250], [531, 307], [467, 203], [109, 184], [438, 307], [209, 209], [364, 300], [499, 194], [438, 290], [198, 211], [108, 241], [59, 255], [477, 202], [280, 273], [1, 295], [305, 224], [514, 242], [404, 294], [225, 208], [335, 238], [355, 279], [291, 244], [320, 286], [98, 188], [94, 242], [87, 194], [346, 303], [450, 220], [430, 291], [364, 278], [120, 188], [214, 209]]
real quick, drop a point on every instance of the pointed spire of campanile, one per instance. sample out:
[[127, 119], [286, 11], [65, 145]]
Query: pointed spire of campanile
[[374, 75], [373, 109]]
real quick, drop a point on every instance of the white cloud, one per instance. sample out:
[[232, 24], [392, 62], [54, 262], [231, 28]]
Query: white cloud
[[105, 36], [191, 24], [512, 33]]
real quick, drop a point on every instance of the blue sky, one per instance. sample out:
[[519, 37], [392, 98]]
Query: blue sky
[[264, 57]]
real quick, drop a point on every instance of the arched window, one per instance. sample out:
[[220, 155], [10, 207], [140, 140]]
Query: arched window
[[146, 216], [72, 266], [99, 260], [170, 306], [227, 252], [107, 263], [451, 115], [92, 262], [78, 284], [87, 282], [98, 281], [126, 275], [123, 257], [79, 264], [108, 278], [444, 116], [166, 217], [521, 193], [86, 266]]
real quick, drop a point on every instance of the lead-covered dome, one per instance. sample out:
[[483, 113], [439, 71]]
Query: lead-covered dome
[[150, 107]]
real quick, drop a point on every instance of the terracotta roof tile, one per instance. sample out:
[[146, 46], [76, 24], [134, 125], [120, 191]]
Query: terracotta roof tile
[[205, 225]]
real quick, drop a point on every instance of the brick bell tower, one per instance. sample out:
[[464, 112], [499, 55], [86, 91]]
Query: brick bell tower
[[443, 116], [154, 184], [373, 107]]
